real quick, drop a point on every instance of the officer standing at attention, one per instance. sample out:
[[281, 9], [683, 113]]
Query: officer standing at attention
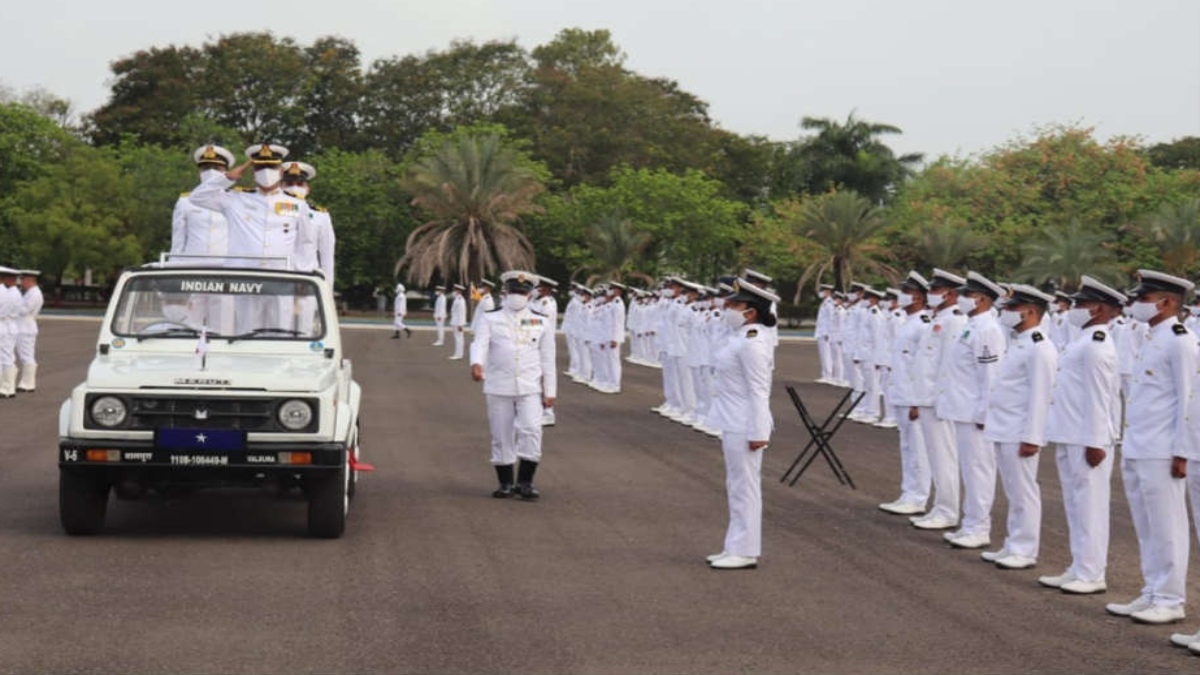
[[907, 392], [1085, 411], [1156, 448], [969, 366], [27, 330], [10, 311], [513, 354], [197, 231], [485, 304], [296, 179], [439, 315], [1018, 404], [546, 304], [741, 410], [399, 311], [458, 321], [823, 331]]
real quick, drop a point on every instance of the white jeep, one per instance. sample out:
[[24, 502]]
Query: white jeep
[[213, 377]]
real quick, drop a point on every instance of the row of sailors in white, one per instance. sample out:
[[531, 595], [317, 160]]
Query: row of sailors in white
[[20, 303], [594, 323], [979, 391], [641, 324], [268, 227]]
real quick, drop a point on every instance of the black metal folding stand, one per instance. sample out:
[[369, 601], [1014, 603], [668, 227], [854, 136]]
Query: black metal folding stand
[[821, 435]]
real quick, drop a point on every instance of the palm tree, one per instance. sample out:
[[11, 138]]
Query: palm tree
[[617, 248], [1176, 230], [946, 244], [475, 189], [849, 156], [1063, 253], [846, 226]]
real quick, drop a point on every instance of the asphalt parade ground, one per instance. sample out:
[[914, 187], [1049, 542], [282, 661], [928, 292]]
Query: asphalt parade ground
[[605, 574]]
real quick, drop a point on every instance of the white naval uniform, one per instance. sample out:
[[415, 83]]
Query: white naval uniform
[[837, 329], [458, 324], [10, 312], [549, 306], [399, 309], [268, 231], [741, 411], [616, 326], [968, 366], [850, 330], [864, 354], [486, 304], [517, 352], [1018, 403], [937, 432], [823, 336], [1085, 411], [201, 232], [569, 325], [1157, 429], [439, 319], [26, 337], [906, 389]]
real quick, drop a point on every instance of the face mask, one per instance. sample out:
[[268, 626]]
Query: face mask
[[668, 293], [733, 318], [852, 297], [1144, 311], [267, 177], [904, 300], [1078, 316], [936, 299], [516, 302], [298, 191], [207, 174], [175, 313], [1010, 318], [966, 305]]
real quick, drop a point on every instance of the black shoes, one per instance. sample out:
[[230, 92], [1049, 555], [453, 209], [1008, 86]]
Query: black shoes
[[525, 487], [504, 473], [527, 492], [408, 333], [396, 335]]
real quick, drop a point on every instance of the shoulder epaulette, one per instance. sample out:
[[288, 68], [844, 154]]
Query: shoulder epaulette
[[753, 332], [1098, 336], [316, 207], [184, 195], [1179, 329], [240, 188], [493, 310], [1036, 337], [925, 319], [534, 311]]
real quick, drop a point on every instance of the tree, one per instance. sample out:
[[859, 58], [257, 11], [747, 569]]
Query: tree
[[253, 82], [331, 100], [945, 244], [617, 248], [1181, 153], [475, 187], [847, 227], [1175, 228], [1060, 255], [152, 92], [850, 156], [30, 145]]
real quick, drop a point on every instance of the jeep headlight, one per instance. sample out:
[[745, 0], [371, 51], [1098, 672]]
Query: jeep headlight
[[109, 411], [295, 414]]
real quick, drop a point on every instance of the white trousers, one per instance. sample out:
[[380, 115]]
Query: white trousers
[[914, 460], [1018, 475], [686, 387], [701, 384], [850, 369], [977, 464], [24, 349], [460, 338], [1086, 492], [885, 377], [940, 446], [743, 487], [398, 322], [614, 367], [585, 362], [599, 364], [572, 356], [1194, 492], [8, 347], [441, 331], [670, 392], [836, 362], [1157, 503], [825, 355], [516, 425], [869, 377]]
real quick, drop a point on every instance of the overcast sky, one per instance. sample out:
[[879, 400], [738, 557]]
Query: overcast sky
[[958, 76]]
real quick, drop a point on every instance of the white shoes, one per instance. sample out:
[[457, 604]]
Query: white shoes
[[1139, 605], [734, 562], [1016, 562], [885, 424], [969, 541], [902, 508], [932, 523], [1081, 587], [1185, 639], [1159, 615], [993, 556], [717, 556], [456, 358], [1058, 581]]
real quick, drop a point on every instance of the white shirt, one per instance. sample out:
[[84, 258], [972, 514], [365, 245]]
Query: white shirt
[[968, 365], [486, 304], [1085, 405], [31, 306], [439, 306], [517, 351], [1019, 398], [907, 386], [11, 307], [1156, 413], [401, 302], [743, 385], [458, 311], [197, 231], [275, 225], [326, 243], [824, 318]]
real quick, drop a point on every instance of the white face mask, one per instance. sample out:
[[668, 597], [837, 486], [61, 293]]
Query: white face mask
[[516, 302], [668, 293], [298, 191], [1143, 311], [207, 174], [936, 299], [733, 318], [175, 313], [904, 300], [1079, 316], [852, 297], [267, 177], [1010, 318], [966, 305]]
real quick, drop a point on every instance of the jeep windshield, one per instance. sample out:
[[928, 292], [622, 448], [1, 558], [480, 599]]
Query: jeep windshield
[[237, 307]]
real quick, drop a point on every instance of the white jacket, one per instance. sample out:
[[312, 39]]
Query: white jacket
[[517, 352]]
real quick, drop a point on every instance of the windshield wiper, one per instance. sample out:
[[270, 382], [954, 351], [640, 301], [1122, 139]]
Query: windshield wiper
[[171, 332], [260, 331]]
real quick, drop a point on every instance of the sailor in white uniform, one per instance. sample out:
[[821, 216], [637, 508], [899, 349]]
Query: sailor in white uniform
[[27, 330], [907, 391], [399, 311], [10, 312], [458, 321], [823, 333], [200, 236], [439, 315], [319, 253]]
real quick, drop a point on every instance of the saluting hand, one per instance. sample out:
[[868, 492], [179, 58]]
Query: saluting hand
[[236, 172], [1094, 456], [477, 372], [1027, 450]]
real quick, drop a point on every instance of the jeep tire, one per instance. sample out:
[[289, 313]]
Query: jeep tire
[[82, 501], [327, 504]]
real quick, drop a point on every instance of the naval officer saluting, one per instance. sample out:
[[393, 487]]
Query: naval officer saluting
[[513, 355]]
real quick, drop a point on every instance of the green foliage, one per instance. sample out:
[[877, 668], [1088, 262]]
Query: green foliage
[[1175, 228], [847, 228], [945, 244], [30, 145], [617, 249], [1059, 255], [1181, 153], [850, 156]]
